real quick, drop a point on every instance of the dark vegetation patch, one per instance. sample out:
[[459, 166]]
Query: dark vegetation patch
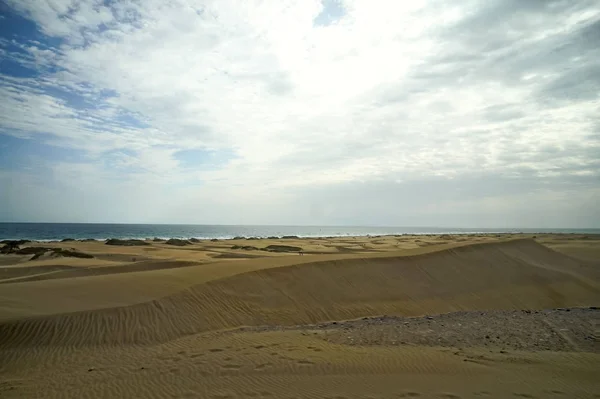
[[178, 242], [39, 251], [11, 245], [125, 243], [245, 247], [282, 248]]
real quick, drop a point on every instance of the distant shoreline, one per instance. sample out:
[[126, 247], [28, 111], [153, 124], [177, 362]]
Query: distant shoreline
[[595, 235], [46, 232]]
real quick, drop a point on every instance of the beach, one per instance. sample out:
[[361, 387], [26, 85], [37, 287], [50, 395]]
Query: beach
[[390, 316]]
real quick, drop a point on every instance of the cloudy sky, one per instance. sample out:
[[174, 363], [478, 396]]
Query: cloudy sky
[[475, 113]]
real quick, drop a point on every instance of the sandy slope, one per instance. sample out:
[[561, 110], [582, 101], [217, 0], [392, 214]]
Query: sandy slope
[[109, 329]]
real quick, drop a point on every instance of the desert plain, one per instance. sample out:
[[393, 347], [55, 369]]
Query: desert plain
[[406, 316]]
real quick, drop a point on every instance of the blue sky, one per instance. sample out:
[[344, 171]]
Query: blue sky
[[479, 113], [331, 12]]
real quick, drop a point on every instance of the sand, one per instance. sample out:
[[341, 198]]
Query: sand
[[460, 316]]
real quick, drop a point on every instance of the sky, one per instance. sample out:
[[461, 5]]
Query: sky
[[478, 113]]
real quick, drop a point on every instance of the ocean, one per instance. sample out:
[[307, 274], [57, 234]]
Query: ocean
[[59, 231]]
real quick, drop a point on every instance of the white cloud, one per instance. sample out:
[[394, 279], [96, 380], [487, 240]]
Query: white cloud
[[391, 92]]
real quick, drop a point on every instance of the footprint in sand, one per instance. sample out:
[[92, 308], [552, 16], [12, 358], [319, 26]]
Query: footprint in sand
[[261, 394], [223, 396], [263, 366], [9, 385], [231, 366]]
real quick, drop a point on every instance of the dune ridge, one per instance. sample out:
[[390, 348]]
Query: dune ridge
[[27, 274], [518, 274]]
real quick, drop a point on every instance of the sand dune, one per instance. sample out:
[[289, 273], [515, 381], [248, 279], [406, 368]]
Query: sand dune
[[36, 273], [208, 321], [518, 274], [61, 295]]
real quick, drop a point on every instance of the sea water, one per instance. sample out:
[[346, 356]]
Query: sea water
[[59, 231]]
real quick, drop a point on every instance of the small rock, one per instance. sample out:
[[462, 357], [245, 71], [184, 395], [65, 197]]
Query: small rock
[[91, 369]]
